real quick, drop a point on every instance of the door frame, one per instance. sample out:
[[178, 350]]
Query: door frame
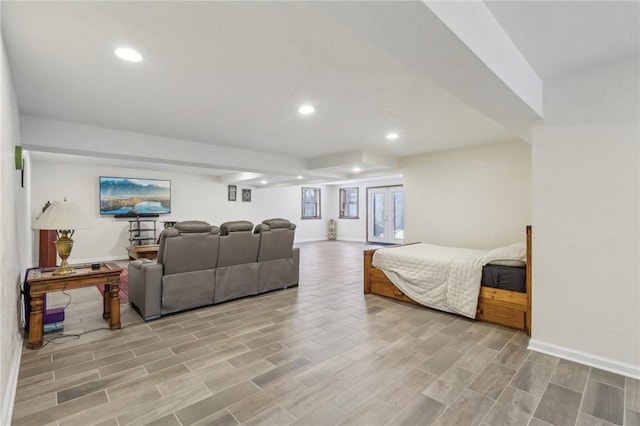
[[368, 241]]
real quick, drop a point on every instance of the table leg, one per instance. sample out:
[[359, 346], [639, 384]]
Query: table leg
[[35, 322], [106, 301], [115, 306]]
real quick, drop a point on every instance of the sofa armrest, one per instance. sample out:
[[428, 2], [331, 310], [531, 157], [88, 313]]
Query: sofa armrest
[[295, 254], [137, 264], [145, 287]]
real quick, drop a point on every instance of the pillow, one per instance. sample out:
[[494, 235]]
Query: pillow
[[513, 255]]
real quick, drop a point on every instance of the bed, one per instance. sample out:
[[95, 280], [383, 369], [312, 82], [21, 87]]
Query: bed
[[507, 307]]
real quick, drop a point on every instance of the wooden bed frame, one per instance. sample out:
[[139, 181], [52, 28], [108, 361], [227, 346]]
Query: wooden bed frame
[[508, 308]]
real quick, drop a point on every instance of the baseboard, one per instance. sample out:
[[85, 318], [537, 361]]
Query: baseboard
[[352, 240], [309, 240], [606, 364], [98, 259], [12, 385]]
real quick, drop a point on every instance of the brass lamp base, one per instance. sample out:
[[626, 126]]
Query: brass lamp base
[[64, 244]]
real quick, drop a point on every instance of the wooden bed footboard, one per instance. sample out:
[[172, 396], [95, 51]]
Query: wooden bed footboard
[[504, 307]]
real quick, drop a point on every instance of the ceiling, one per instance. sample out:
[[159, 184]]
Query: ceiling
[[561, 37], [233, 74]]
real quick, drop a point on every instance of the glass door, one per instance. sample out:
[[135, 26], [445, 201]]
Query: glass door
[[397, 225], [385, 215], [377, 215]]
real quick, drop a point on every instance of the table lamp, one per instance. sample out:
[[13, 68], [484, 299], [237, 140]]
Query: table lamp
[[65, 218]]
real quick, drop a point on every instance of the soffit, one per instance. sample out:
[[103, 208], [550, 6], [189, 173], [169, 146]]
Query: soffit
[[233, 74]]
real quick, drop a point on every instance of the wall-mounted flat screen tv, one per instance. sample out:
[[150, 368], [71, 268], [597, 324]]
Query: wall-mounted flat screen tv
[[126, 196]]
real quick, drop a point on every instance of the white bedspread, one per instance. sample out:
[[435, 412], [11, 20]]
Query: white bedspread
[[444, 278]]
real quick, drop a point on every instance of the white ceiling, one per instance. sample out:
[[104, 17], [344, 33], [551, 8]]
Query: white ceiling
[[560, 37], [234, 73]]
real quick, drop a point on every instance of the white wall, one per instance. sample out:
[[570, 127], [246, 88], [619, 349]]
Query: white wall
[[478, 197], [14, 242], [287, 202], [354, 229], [193, 197], [586, 174]]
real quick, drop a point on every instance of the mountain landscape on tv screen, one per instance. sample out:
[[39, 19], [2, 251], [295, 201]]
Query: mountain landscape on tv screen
[[134, 196]]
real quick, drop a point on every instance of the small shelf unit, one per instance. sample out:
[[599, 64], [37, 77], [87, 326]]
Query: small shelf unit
[[141, 233]]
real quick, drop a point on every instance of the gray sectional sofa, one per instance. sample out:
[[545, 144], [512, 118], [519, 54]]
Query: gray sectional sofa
[[199, 265]]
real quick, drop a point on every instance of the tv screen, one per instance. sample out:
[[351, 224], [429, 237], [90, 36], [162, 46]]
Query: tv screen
[[125, 196]]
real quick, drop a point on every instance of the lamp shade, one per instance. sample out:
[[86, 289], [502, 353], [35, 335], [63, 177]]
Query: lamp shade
[[62, 215]]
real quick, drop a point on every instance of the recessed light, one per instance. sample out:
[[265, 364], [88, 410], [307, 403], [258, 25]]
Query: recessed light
[[300, 177], [306, 109], [128, 54], [356, 169], [263, 181], [391, 136]]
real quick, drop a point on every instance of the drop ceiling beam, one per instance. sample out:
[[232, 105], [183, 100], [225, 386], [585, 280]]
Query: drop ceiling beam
[[474, 24], [240, 177], [351, 159], [432, 39], [47, 135]]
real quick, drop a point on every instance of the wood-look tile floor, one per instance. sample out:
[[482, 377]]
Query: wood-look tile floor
[[319, 354]]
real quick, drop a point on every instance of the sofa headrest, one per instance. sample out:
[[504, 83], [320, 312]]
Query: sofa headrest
[[236, 226], [273, 224], [260, 228], [279, 223], [195, 226], [170, 232]]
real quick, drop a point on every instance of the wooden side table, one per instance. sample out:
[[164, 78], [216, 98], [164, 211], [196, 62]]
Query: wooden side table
[[143, 252], [43, 281]]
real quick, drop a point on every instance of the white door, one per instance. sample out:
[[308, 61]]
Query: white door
[[385, 215]]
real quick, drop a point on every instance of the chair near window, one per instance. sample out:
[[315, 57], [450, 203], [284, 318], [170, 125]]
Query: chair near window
[[278, 260]]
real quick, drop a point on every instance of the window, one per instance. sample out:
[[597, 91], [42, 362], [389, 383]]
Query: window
[[348, 203], [310, 203]]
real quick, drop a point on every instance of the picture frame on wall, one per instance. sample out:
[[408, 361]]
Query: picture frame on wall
[[246, 195], [232, 191]]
